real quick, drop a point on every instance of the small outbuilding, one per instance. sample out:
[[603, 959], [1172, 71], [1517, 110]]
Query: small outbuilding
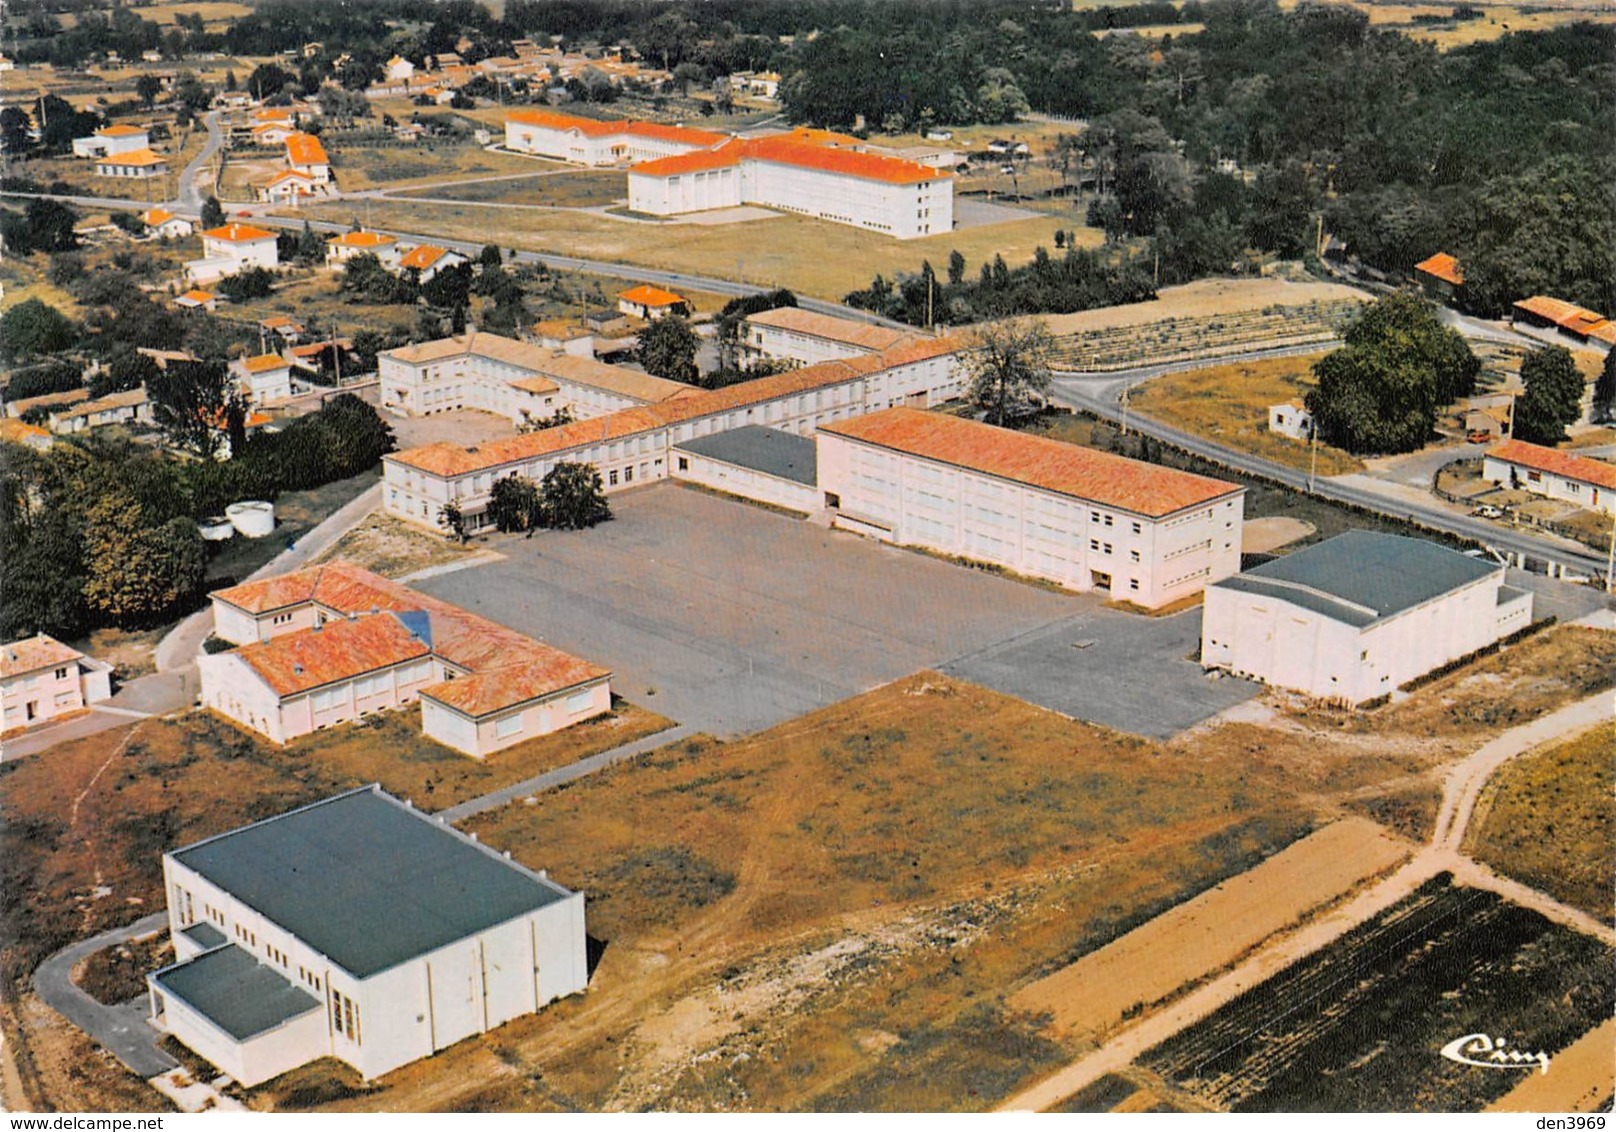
[[753, 462]]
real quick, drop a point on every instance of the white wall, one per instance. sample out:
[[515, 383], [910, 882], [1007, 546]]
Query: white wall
[[745, 482], [1550, 485]]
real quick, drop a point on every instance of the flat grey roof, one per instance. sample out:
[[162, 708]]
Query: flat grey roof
[[205, 936], [1361, 577], [368, 881], [235, 992], [784, 455]]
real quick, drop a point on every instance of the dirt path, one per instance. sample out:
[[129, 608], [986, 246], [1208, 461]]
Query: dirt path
[[1461, 788], [1579, 1083]]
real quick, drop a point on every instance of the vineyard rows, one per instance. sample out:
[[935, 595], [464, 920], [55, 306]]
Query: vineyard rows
[[1122, 347]]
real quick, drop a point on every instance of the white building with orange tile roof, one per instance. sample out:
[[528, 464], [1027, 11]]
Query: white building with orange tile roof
[[264, 378], [164, 225], [797, 335], [112, 140], [428, 260], [342, 248], [650, 302], [632, 446], [136, 164], [593, 142], [290, 187], [41, 678], [305, 154], [1084, 519], [231, 248], [899, 198], [1566, 476], [335, 642]]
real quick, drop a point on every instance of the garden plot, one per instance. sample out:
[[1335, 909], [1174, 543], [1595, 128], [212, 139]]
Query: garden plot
[[1358, 1025], [1211, 931]]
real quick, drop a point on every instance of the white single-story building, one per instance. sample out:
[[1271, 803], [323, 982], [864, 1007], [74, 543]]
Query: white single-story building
[[1291, 418], [428, 260], [753, 462], [1084, 519], [232, 248], [112, 140], [796, 335], [164, 225], [134, 163], [356, 928], [649, 302], [333, 643], [197, 298], [41, 678], [1581, 480], [265, 378], [1354, 618], [130, 406]]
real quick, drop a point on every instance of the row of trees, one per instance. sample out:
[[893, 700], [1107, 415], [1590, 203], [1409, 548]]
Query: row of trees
[[569, 498]]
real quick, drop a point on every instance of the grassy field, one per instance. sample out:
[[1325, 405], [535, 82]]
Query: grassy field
[[1546, 821], [810, 256], [1496, 19], [1229, 403], [555, 190], [399, 166]]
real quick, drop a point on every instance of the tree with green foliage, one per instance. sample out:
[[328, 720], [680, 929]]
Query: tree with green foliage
[[1381, 391], [137, 574], [147, 88], [126, 370], [1008, 368], [364, 279], [490, 259], [513, 504], [42, 226], [1552, 397], [732, 317], [572, 498], [32, 329], [250, 283], [197, 405], [668, 349], [1605, 390], [454, 520], [212, 213]]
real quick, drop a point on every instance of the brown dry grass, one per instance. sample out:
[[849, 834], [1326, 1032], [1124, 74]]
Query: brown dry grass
[[1201, 299], [118, 973], [813, 257], [393, 548], [1546, 820], [1581, 1081], [56, 1068], [1496, 19], [426, 162], [552, 190], [1229, 403]]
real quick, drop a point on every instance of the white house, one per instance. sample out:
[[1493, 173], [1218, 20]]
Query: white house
[[649, 302], [1084, 519], [41, 678], [356, 928], [1291, 418], [231, 248], [127, 407], [264, 378], [305, 154], [289, 187], [398, 69], [164, 225], [112, 140], [132, 163], [898, 198], [796, 335], [1354, 618], [1548, 472], [340, 249], [428, 260], [197, 298], [632, 446], [333, 643]]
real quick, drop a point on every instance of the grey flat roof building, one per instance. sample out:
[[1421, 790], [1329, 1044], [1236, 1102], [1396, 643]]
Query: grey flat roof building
[[1361, 577], [235, 991], [367, 880], [783, 455]]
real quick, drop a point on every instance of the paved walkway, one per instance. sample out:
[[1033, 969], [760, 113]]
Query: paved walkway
[[121, 1029], [1460, 790]]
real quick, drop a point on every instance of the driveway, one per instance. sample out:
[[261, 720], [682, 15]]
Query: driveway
[[731, 619]]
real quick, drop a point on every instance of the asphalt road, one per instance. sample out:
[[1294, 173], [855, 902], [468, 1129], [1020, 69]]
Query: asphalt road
[[190, 197]]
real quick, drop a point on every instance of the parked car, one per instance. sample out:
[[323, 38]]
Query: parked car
[[1488, 511]]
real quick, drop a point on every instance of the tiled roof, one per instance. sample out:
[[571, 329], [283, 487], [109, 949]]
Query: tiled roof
[[672, 133], [613, 379], [278, 322], [339, 650], [21, 432], [156, 216], [67, 396], [1555, 462], [646, 295], [289, 175], [122, 132], [723, 157], [784, 151], [424, 256], [34, 653], [199, 296], [592, 127], [544, 671], [237, 233], [305, 149], [265, 363], [135, 157], [1082, 473], [128, 398], [1557, 311], [364, 239], [534, 385], [1444, 267], [846, 330]]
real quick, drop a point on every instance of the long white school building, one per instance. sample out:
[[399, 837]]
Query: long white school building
[[590, 141], [1084, 519], [356, 928]]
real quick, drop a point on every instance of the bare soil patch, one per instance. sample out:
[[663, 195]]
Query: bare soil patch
[[1203, 935], [1579, 1079], [118, 973], [1264, 536], [393, 548]]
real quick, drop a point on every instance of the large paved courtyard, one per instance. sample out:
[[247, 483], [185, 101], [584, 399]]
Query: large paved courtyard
[[730, 619]]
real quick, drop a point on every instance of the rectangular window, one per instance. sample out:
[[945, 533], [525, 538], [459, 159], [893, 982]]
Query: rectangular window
[[684, 464], [1136, 528], [628, 474], [61, 673], [1133, 583], [578, 701], [510, 725], [611, 479]]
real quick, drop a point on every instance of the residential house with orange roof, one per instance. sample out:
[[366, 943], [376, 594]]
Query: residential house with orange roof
[[632, 446], [197, 298], [1580, 480], [332, 643], [649, 302], [109, 141], [305, 154], [41, 678], [164, 225], [342, 248], [899, 198], [797, 335], [136, 164], [129, 406], [398, 69], [271, 134], [13, 431], [289, 187], [265, 378], [231, 248], [593, 142], [428, 260], [1440, 277], [1084, 519]]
